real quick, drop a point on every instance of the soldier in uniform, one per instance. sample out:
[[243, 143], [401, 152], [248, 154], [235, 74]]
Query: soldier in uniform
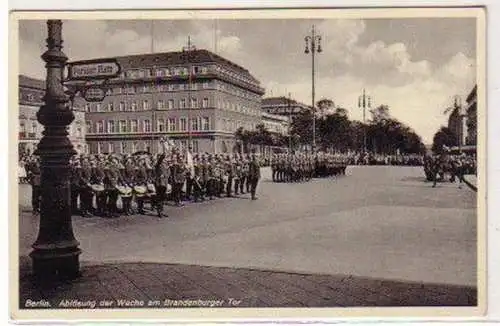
[[178, 178], [209, 175], [128, 176], [86, 194], [141, 180], [229, 169], [244, 174], [198, 180], [254, 175], [189, 182], [98, 176], [237, 168], [203, 167], [75, 185], [113, 179], [35, 181], [274, 167], [220, 176], [436, 168], [162, 176]]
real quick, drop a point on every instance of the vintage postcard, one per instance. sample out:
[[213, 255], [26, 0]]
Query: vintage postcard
[[221, 164]]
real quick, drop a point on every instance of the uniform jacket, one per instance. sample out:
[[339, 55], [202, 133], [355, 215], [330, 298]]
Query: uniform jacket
[[34, 172], [85, 176], [162, 172], [254, 172], [178, 173], [75, 173], [113, 177], [230, 169], [128, 174], [98, 175], [141, 176]]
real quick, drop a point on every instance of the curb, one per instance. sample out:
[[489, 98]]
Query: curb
[[470, 185]]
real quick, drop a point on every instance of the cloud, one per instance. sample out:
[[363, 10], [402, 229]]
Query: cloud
[[416, 88]]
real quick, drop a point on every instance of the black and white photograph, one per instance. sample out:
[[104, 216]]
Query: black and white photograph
[[314, 158]]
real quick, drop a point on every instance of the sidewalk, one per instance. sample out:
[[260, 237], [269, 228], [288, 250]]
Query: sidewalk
[[471, 181], [150, 285]]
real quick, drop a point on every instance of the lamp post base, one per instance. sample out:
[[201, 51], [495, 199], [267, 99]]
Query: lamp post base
[[56, 264]]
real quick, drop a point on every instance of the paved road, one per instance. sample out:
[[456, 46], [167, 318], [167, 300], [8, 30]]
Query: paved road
[[381, 222]]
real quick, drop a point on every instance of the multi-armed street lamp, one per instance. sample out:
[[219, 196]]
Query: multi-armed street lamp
[[364, 102], [313, 45]]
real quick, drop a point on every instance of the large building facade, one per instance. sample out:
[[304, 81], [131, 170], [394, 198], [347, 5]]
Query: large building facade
[[471, 112], [275, 123], [197, 99], [31, 93], [283, 106]]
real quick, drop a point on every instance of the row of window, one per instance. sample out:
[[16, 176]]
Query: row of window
[[233, 125], [172, 87], [276, 127], [31, 130], [162, 125], [145, 105], [165, 72], [170, 104], [184, 71], [134, 146], [31, 96], [149, 88]]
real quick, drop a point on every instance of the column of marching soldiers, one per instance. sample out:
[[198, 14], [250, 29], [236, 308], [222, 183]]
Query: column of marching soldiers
[[98, 181], [301, 167]]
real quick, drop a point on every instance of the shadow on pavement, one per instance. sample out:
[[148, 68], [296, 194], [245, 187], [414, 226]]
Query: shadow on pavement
[[173, 285]]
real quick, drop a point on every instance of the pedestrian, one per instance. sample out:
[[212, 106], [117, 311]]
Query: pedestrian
[[35, 181], [254, 175], [162, 177]]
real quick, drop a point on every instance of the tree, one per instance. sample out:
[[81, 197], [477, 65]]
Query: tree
[[325, 106], [341, 112], [443, 137], [244, 139], [334, 131], [302, 127], [380, 114]]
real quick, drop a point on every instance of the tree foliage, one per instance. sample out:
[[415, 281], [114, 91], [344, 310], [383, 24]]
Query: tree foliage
[[443, 137], [336, 132]]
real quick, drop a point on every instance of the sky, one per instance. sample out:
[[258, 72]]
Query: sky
[[414, 65]]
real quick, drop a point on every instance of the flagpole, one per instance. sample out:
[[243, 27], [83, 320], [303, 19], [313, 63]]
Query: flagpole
[[152, 94]]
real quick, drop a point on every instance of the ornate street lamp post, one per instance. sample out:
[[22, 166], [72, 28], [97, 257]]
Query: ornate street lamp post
[[313, 45], [55, 252]]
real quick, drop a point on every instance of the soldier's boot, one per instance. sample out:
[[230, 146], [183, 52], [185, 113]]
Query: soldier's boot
[[242, 183], [236, 187]]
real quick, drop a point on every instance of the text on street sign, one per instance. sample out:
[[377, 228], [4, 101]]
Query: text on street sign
[[94, 94], [96, 70]]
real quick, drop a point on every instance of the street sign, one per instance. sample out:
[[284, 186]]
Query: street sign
[[94, 94], [93, 69]]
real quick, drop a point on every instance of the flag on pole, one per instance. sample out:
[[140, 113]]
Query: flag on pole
[[167, 143], [189, 162]]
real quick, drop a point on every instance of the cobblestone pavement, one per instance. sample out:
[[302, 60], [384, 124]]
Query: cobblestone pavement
[[146, 285], [374, 224]]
